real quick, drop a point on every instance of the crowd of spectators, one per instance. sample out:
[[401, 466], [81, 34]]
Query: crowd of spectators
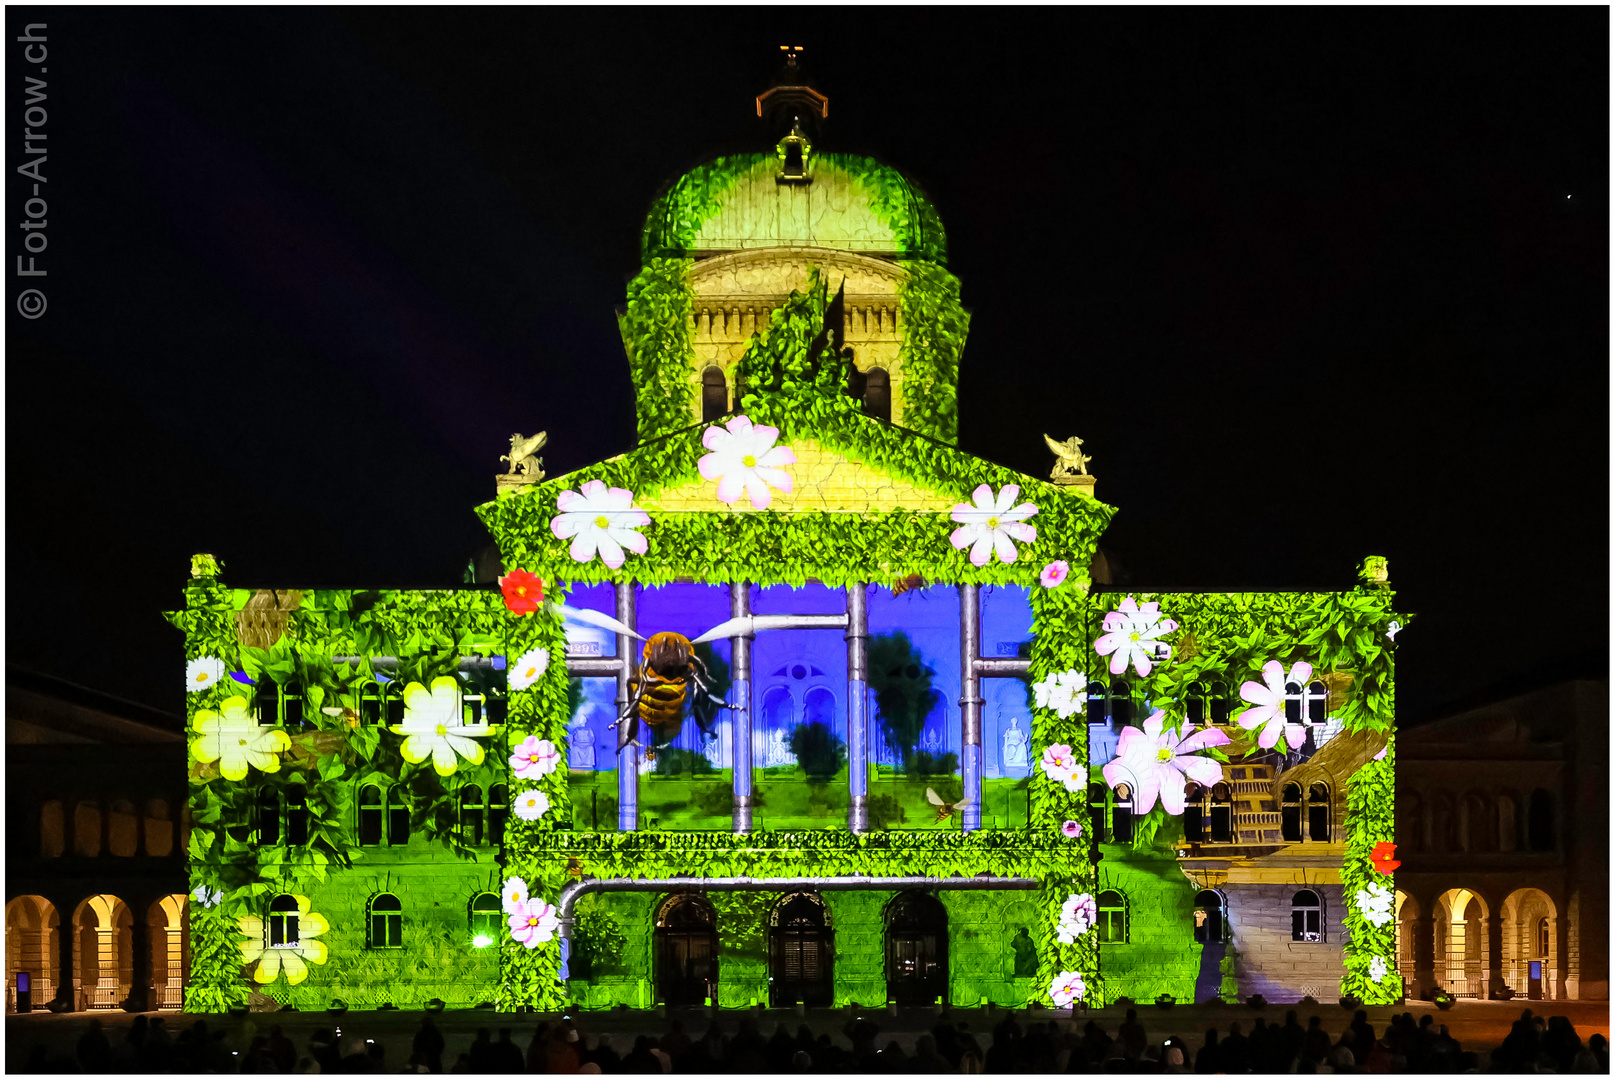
[[1037, 1046]]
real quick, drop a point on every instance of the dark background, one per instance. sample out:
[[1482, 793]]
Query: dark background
[[1313, 285]]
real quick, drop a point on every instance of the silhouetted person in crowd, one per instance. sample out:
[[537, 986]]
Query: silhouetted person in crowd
[[322, 1047], [926, 1057], [1209, 1057], [779, 1050], [94, 1050], [1132, 1036], [1316, 1046], [482, 1051], [428, 1045]]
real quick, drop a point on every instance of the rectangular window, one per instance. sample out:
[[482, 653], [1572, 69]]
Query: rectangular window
[[397, 816]]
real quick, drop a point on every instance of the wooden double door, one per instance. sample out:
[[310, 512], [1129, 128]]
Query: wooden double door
[[801, 952]]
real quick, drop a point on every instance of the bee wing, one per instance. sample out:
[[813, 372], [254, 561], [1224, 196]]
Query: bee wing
[[595, 618], [960, 805], [332, 711], [745, 626], [933, 798]]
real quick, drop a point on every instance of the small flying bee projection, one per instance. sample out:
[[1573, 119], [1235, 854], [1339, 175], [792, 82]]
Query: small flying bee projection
[[907, 584], [944, 810], [672, 674], [343, 713]]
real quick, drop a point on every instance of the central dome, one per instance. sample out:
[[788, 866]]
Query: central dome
[[846, 202]]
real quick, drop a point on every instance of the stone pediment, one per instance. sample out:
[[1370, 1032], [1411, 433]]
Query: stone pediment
[[822, 481]]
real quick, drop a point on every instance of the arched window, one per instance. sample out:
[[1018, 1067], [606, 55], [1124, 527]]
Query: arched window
[[714, 393], [878, 393], [268, 805], [1318, 816], [1111, 704], [386, 922], [1306, 916], [291, 706], [1542, 937], [1121, 815], [370, 703], [498, 811], [1222, 815], [123, 828], [158, 828], [1207, 703], [1539, 823], [1096, 703], [471, 810], [1194, 813], [1290, 813], [370, 816], [296, 814], [283, 921], [1208, 917], [392, 699], [484, 920], [397, 816], [1098, 797], [1112, 918], [1508, 817], [52, 830], [87, 828], [1317, 711], [266, 701], [1295, 704]]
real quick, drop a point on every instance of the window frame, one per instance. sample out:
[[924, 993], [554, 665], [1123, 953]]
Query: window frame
[[491, 916], [391, 922], [282, 922], [1301, 914], [1111, 923]]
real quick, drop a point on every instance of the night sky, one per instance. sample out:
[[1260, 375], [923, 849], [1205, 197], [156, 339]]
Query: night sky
[[1312, 284]]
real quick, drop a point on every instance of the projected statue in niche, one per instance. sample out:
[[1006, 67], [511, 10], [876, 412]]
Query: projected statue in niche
[[1014, 752]]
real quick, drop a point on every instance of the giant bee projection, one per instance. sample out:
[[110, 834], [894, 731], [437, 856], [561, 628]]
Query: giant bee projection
[[671, 674]]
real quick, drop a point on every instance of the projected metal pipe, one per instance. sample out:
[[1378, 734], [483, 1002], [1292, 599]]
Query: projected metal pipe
[[627, 753], [970, 704], [857, 698], [740, 695]]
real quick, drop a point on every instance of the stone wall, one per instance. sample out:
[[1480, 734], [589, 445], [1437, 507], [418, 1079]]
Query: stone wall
[[1267, 961], [437, 959], [1160, 955]]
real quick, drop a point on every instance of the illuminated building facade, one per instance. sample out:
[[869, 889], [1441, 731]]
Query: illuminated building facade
[[938, 761]]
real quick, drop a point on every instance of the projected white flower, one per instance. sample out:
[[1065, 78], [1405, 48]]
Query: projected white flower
[[202, 673], [990, 525], [600, 521], [532, 805], [1374, 904], [1130, 634], [526, 671], [513, 895], [1077, 915], [745, 461], [1378, 968], [233, 738], [433, 727], [1062, 691]]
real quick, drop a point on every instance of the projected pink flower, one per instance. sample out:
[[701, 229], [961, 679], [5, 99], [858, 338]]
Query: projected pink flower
[[1067, 989], [1054, 573], [744, 460], [1158, 762], [1060, 764], [1130, 634], [1268, 702], [534, 923], [993, 524], [1070, 830], [535, 757], [600, 521]]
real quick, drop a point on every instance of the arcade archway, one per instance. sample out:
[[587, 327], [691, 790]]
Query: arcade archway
[[103, 952], [686, 950], [801, 951], [32, 948], [916, 949]]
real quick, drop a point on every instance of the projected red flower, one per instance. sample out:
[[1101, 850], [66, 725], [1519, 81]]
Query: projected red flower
[[1384, 857], [523, 591]]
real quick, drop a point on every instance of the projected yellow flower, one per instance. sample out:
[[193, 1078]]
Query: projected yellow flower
[[296, 943], [233, 738], [433, 727]]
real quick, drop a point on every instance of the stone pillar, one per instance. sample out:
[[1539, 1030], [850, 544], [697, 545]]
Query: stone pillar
[[627, 753], [1494, 956], [740, 696], [64, 952], [857, 702], [1561, 962], [1424, 955], [970, 705], [139, 999]]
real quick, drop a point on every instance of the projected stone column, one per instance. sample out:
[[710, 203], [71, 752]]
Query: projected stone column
[[627, 754], [970, 705], [857, 697], [740, 717]]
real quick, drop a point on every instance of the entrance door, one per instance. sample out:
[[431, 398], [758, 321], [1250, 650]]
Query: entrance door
[[801, 952], [916, 949], [686, 950]]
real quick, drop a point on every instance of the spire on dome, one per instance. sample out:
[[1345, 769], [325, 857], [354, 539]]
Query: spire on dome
[[790, 99]]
